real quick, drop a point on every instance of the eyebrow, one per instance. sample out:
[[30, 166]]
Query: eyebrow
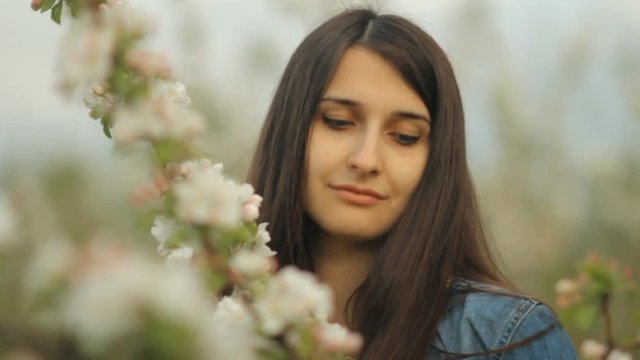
[[355, 104]]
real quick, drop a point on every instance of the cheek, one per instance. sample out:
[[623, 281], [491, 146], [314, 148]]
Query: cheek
[[406, 175]]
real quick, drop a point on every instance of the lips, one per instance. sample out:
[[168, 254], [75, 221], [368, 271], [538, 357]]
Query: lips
[[358, 195]]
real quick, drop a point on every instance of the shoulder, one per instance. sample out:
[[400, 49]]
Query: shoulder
[[491, 317]]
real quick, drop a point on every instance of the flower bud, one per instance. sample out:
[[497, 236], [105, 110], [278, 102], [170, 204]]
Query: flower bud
[[566, 286], [36, 4], [98, 90]]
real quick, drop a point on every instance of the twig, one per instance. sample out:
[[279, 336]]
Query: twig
[[605, 311]]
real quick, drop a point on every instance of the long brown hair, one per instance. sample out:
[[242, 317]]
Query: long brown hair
[[439, 236]]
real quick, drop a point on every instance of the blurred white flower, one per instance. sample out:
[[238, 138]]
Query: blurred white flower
[[205, 197], [128, 21], [250, 263], [566, 287], [155, 119], [180, 256], [49, 263], [568, 291], [251, 207], [90, 42], [292, 296], [8, 223], [234, 334], [110, 294], [592, 349], [97, 99], [161, 230], [171, 90], [262, 238], [619, 355], [148, 63], [182, 171], [336, 338], [86, 54]]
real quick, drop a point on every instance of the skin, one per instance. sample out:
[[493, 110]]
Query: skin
[[371, 130]]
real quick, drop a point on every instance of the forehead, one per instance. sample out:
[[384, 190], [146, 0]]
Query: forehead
[[365, 76]]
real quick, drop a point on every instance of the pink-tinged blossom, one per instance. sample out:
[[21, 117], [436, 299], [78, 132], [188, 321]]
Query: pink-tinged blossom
[[568, 291], [251, 207], [155, 120], [205, 197], [292, 296], [151, 64]]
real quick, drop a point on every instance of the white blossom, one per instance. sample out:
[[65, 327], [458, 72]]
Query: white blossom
[[50, 262], [205, 197], [592, 349], [171, 90], [108, 294], [155, 119], [8, 223], [182, 171], [87, 51], [162, 230], [149, 63], [292, 296], [336, 338], [180, 256], [234, 331], [250, 263], [619, 355], [262, 238], [566, 287]]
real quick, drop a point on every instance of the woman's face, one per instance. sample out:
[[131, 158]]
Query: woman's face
[[367, 149]]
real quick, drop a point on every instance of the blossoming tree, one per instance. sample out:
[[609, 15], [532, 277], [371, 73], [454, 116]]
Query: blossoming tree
[[218, 293]]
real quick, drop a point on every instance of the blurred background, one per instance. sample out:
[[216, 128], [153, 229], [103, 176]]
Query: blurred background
[[551, 94]]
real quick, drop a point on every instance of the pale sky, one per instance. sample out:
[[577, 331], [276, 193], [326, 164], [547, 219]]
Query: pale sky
[[37, 126]]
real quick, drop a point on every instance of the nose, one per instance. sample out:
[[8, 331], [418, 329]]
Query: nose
[[365, 156]]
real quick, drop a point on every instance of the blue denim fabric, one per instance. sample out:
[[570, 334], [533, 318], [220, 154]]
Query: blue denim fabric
[[480, 321]]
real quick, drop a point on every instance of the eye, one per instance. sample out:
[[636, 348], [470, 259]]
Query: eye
[[404, 139], [337, 124]]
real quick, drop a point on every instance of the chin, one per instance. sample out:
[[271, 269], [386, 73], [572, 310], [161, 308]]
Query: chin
[[355, 233]]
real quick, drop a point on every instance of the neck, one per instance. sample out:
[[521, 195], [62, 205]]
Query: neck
[[343, 264]]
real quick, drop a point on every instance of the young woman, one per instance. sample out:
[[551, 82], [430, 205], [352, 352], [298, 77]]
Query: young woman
[[362, 166]]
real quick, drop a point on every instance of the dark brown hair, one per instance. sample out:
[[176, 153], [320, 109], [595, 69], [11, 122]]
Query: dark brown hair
[[439, 236]]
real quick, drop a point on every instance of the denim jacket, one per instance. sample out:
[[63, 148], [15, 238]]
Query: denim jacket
[[480, 321]]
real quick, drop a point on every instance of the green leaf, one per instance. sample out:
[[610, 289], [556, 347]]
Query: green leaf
[[56, 12], [166, 339], [105, 128], [97, 112], [46, 5], [586, 317]]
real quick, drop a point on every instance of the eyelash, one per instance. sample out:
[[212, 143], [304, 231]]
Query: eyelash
[[338, 124]]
